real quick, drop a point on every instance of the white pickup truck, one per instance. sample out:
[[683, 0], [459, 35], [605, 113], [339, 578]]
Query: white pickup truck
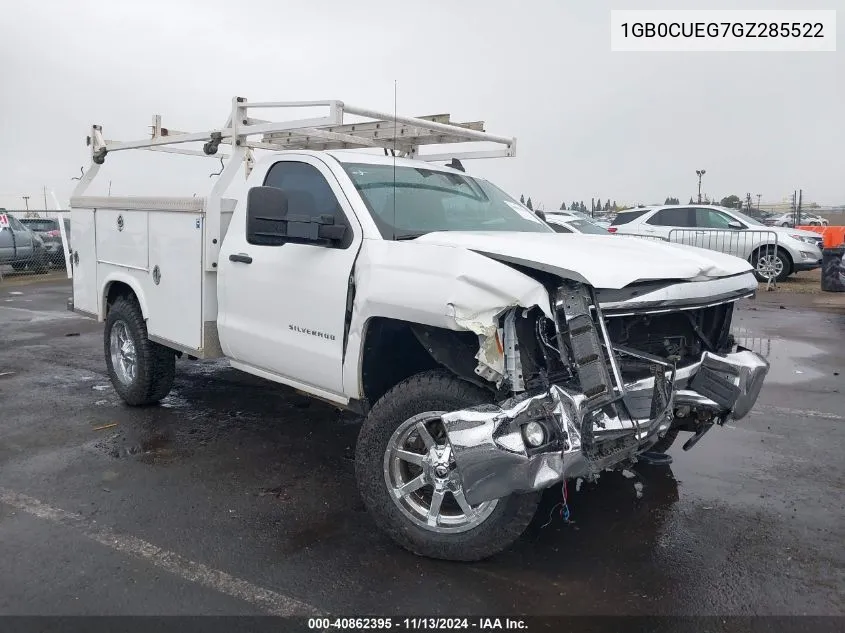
[[491, 357]]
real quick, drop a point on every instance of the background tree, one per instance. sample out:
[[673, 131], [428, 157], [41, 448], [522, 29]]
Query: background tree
[[691, 201], [607, 205], [528, 204], [563, 206], [583, 208], [614, 207], [731, 202], [671, 200], [522, 199]]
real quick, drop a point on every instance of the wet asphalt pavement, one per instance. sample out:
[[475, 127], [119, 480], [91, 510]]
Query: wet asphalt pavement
[[237, 496]]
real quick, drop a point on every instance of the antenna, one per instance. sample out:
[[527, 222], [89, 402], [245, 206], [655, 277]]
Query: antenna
[[394, 159]]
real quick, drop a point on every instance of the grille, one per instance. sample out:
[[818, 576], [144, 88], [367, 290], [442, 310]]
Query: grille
[[683, 336]]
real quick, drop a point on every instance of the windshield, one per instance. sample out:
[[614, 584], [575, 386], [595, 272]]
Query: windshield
[[41, 225], [422, 201], [746, 219], [585, 226]]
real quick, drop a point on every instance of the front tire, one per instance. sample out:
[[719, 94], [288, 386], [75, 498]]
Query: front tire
[[409, 482], [767, 264], [141, 371]]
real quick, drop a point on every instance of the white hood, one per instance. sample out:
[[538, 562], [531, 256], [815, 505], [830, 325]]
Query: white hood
[[602, 261], [785, 230]]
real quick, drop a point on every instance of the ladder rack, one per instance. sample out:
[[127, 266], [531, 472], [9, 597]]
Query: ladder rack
[[400, 135]]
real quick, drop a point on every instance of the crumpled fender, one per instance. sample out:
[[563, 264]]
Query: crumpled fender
[[440, 286]]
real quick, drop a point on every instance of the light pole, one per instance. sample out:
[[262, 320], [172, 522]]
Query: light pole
[[700, 173], [26, 201], [758, 202]]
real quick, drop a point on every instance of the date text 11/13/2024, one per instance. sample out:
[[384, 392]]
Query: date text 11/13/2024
[[418, 624]]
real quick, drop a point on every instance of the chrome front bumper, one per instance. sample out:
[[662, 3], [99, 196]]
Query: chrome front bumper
[[494, 460]]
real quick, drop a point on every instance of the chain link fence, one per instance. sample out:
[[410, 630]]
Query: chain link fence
[[33, 242]]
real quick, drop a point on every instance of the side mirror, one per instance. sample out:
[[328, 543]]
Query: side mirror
[[268, 222], [266, 216], [733, 224]]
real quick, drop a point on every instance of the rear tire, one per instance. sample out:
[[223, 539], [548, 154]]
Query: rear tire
[[141, 371], [759, 262], [459, 532]]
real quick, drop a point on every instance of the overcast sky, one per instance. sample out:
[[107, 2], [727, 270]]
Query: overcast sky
[[590, 123]]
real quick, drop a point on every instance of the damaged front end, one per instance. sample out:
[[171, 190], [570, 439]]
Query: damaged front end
[[592, 391]]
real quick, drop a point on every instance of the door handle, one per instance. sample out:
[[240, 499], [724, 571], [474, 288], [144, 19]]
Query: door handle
[[240, 257]]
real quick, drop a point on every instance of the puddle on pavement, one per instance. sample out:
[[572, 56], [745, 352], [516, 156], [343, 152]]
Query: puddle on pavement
[[791, 361], [155, 449]]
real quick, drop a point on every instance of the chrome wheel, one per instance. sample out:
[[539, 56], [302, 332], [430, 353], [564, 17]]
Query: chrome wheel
[[769, 266], [124, 358], [423, 480]]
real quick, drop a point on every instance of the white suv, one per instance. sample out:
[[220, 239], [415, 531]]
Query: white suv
[[728, 231]]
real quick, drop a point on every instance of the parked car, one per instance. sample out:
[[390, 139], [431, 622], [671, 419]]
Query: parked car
[[586, 216], [48, 230], [719, 228], [20, 248], [573, 224], [488, 362], [788, 220]]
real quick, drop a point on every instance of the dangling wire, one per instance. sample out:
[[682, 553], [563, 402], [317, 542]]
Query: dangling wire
[[563, 505], [564, 513]]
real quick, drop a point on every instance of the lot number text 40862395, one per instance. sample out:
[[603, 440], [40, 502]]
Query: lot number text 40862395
[[419, 624]]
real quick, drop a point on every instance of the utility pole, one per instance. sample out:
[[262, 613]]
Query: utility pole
[[45, 197], [26, 201], [700, 173], [798, 213], [759, 195]]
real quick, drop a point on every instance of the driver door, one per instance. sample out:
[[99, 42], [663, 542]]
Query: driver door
[[282, 307], [22, 238], [7, 240]]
